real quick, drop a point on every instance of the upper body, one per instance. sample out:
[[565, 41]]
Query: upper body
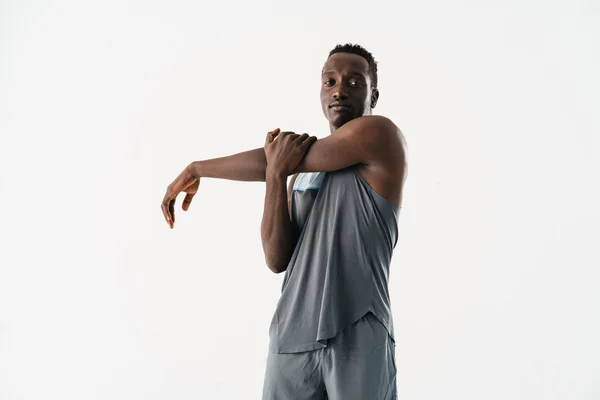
[[372, 144], [341, 254], [341, 228]]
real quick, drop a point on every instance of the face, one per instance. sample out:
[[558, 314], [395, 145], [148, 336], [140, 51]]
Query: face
[[346, 89]]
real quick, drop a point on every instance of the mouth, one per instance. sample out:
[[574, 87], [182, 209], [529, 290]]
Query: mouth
[[339, 106]]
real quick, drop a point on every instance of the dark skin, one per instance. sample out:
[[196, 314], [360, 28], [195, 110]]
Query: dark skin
[[346, 91], [283, 151], [371, 143]]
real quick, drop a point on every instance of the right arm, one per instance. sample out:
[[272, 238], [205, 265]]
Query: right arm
[[277, 236], [272, 164], [250, 165], [369, 140]]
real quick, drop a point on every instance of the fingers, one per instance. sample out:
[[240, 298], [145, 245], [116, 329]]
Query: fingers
[[301, 138], [286, 134], [184, 182], [166, 209], [272, 135], [172, 212], [187, 201], [308, 141], [304, 140]]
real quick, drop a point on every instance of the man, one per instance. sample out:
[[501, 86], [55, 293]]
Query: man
[[333, 232]]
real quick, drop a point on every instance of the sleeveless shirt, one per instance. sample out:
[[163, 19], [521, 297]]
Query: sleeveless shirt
[[339, 269]]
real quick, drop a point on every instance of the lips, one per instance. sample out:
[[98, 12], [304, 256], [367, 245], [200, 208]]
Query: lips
[[339, 106]]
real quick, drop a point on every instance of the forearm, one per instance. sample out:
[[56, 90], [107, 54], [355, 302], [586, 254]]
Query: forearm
[[276, 226], [247, 166]]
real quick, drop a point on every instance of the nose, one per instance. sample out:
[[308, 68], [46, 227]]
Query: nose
[[339, 91]]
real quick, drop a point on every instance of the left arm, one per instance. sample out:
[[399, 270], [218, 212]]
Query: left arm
[[277, 235], [371, 140]]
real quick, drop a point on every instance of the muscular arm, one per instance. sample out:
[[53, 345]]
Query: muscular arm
[[371, 140], [247, 166], [276, 228]]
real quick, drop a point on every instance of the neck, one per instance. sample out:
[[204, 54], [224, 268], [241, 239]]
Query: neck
[[333, 128]]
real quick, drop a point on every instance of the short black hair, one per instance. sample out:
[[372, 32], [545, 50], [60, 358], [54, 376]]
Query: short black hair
[[361, 51]]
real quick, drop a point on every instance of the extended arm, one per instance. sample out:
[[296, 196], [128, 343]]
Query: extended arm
[[373, 140], [362, 140], [247, 166]]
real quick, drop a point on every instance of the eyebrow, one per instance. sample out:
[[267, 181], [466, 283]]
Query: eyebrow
[[350, 72]]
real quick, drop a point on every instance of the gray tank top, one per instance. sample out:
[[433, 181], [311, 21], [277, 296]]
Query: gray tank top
[[339, 269]]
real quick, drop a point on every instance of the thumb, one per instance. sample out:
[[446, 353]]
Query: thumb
[[272, 135]]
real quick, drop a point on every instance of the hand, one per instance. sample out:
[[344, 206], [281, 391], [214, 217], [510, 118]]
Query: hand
[[185, 182], [285, 150]]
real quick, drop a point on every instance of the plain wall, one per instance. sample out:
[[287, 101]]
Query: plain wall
[[495, 280]]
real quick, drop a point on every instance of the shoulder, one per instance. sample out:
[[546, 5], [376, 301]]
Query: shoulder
[[375, 122], [380, 121], [377, 133], [373, 127]]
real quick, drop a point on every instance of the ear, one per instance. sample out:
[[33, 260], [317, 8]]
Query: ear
[[374, 98]]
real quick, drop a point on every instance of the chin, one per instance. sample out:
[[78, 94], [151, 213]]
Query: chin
[[339, 120]]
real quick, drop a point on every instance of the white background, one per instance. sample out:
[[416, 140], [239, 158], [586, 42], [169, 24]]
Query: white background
[[495, 280]]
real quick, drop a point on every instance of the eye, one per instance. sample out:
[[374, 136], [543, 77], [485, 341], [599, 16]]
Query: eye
[[355, 83], [328, 82]]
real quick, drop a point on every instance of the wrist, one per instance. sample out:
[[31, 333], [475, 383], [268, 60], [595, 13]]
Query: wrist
[[194, 168], [274, 175]]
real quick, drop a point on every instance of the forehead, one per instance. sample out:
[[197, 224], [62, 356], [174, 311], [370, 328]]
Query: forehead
[[346, 63]]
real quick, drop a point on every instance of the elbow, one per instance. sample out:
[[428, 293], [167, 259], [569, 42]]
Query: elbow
[[276, 267], [277, 261], [278, 271]]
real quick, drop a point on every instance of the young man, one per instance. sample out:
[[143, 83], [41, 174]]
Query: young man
[[333, 232]]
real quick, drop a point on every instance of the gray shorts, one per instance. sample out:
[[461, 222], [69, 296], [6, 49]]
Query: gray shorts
[[358, 364]]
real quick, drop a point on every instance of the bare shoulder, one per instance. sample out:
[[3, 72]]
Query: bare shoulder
[[380, 137], [385, 170], [395, 134], [377, 129], [378, 122], [388, 127]]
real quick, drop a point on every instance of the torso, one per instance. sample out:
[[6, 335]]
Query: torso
[[388, 186], [328, 286]]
